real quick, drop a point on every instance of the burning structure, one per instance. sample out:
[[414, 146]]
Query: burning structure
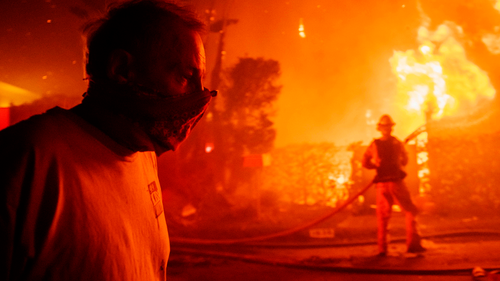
[[455, 99]]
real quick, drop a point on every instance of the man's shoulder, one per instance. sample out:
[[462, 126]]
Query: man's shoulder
[[391, 139], [372, 145], [37, 128], [395, 140], [373, 142], [33, 121]]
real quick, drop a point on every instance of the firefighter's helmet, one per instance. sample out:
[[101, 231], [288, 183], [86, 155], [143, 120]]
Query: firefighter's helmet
[[385, 120]]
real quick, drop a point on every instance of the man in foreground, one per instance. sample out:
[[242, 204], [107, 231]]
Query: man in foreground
[[80, 196], [387, 155]]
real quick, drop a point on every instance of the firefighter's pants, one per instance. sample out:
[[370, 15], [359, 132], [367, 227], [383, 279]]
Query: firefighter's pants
[[389, 193]]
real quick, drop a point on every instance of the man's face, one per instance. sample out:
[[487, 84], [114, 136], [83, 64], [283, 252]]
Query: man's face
[[385, 130], [178, 70]]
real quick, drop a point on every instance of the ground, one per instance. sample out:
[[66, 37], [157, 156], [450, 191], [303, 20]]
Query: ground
[[455, 246]]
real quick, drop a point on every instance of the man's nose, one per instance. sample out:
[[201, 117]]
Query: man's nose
[[213, 93], [197, 86]]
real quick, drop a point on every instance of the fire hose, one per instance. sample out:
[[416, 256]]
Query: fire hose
[[249, 258], [274, 235], [466, 271], [420, 130]]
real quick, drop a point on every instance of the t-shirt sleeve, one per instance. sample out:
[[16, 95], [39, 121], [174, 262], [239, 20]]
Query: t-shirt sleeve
[[15, 173], [23, 200]]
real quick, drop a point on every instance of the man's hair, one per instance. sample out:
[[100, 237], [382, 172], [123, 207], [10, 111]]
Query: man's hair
[[135, 27]]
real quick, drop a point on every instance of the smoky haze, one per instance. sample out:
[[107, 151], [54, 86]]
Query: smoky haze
[[337, 72], [331, 78]]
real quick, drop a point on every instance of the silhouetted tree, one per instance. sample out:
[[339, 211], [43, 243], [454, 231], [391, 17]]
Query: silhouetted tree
[[249, 93]]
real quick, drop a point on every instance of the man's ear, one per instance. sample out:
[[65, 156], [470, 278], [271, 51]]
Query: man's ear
[[120, 66]]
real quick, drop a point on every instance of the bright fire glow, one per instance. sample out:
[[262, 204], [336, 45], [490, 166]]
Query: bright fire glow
[[341, 180], [12, 95], [438, 80], [370, 119], [301, 29], [209, 147]]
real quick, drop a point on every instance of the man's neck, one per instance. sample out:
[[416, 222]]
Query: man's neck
[[386, 137], [117, 127]]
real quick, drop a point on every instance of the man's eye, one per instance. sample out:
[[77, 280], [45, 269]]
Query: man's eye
[[182, 79], [185, 77]]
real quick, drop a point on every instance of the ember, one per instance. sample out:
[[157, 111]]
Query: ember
[[301, 29]]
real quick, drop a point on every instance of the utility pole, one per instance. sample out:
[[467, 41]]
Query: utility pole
[[215, 127]]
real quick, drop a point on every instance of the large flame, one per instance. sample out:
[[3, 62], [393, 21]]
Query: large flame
[[438, 80]]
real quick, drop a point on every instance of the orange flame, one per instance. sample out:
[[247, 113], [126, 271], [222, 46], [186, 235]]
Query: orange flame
[[301, 28], [438, 79]]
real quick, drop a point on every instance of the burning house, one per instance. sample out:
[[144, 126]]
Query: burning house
[[456, 101]]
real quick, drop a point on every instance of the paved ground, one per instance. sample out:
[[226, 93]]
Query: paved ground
[[455, 246]]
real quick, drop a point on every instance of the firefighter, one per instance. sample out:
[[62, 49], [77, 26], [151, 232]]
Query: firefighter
[[388, 156]]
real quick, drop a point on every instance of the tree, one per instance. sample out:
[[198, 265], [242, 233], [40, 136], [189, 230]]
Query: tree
[[248, 104], [248, 94]]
